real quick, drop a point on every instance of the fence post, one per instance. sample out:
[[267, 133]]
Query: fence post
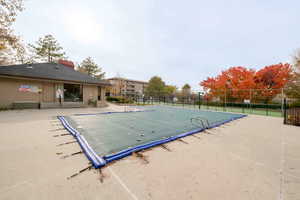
[[199, 99], [225, 99], [282, 102], [250, 105], [207, 104], [267, 109], [284, 111]]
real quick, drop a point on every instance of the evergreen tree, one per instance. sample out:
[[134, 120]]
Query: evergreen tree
[[47, 49], [89, 67], [186, 89]]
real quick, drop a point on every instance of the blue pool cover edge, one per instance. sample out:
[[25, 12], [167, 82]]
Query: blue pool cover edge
[[96, 160], [99, 162], [112, 112]]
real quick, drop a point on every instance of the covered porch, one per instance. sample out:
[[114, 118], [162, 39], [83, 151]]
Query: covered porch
[[74, 95]]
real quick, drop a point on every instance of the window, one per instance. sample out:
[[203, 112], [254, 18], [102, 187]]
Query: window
[[72, 92]]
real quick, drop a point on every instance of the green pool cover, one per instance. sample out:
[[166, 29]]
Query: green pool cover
[[109, 136]]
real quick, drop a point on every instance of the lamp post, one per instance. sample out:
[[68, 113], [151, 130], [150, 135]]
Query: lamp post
[[199, 99]]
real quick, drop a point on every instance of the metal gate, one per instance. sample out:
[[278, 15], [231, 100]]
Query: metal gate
[[291, 113]]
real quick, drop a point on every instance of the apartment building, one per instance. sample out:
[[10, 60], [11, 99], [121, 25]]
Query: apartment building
[[126, 87]]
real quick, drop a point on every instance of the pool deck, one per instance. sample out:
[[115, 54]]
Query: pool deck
[[256, 157]]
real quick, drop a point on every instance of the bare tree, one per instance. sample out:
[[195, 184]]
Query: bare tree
[[296, 60], [292, 88], [8, 40], [23, 55]]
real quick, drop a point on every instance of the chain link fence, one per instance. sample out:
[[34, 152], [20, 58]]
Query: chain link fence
[[258, 102]]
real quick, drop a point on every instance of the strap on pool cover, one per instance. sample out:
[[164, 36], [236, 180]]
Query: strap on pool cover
[[88, 151]]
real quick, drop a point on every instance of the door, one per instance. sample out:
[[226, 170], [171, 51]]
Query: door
[[48, 92]]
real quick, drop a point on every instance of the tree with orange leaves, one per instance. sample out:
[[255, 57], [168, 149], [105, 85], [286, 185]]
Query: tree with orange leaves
[[271, 79], [235, 83]]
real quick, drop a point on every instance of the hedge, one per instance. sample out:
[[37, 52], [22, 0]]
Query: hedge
[[118, 99]]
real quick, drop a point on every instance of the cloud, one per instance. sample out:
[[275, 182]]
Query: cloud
[[82, 26], [184, 42]]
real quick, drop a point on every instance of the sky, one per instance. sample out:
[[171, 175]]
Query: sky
[[180, 41]]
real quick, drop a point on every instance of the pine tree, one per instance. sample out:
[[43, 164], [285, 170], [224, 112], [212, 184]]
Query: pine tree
[[89, 67], [186, 89], [47, 49]]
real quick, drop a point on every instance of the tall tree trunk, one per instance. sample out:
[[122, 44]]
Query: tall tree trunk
[[49, 58]]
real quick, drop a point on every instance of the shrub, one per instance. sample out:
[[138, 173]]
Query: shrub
[[296, 104], [241, 105], [113, 99], [92, 102], [119, 99], [3, 108]]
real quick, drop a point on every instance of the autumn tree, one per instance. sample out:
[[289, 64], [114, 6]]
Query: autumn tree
[[156, 87], [47, 49], [89, 67], [292, 88], [230, 84], [23, 55], [271, 79], [170, 90], [239, 83], [8, 40]]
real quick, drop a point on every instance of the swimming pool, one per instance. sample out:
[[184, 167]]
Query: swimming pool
[[109, 136]]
